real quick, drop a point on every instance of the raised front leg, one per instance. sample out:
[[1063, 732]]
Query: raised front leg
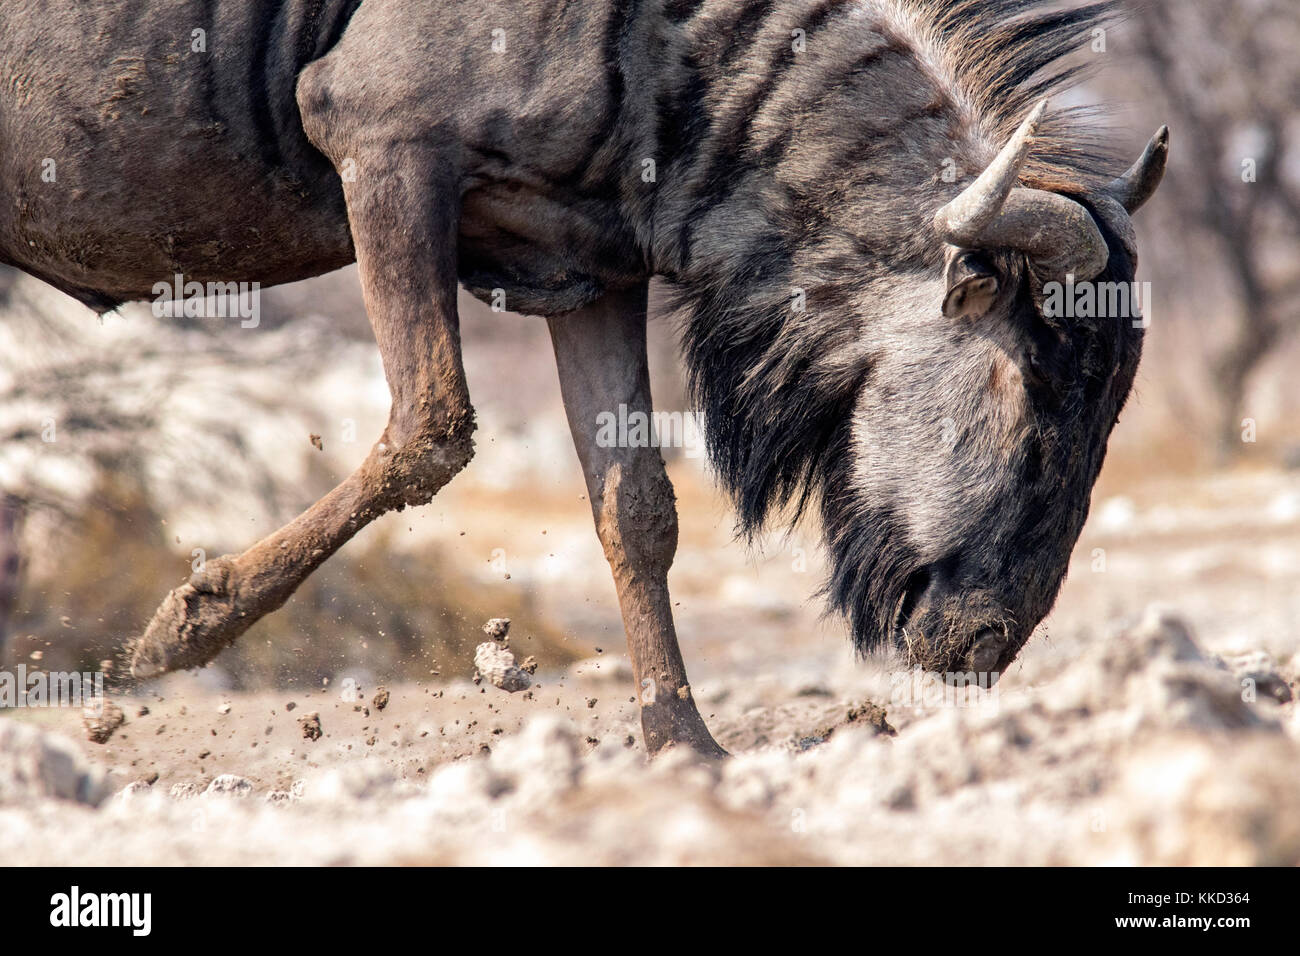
[[403, 205], [601, 355]]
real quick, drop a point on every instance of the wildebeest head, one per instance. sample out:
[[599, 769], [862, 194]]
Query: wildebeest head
[[980, 429], [954, 425], [870, 336]]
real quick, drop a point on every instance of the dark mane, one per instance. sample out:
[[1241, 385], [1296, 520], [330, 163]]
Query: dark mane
[[777, 386]]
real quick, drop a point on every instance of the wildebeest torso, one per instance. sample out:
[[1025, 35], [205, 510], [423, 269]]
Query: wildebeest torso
[[114, 101], [139, 140]]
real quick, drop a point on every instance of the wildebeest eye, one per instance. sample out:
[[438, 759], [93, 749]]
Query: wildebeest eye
[[1047, 362]]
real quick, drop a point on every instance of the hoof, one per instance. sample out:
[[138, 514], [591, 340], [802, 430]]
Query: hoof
[[194, 623], [677, 724]]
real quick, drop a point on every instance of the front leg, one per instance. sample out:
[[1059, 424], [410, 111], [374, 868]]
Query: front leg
[[601, 355], [403, 207]]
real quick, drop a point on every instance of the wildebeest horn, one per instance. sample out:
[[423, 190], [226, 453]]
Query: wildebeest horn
[[1136, 186], [1055, 232]]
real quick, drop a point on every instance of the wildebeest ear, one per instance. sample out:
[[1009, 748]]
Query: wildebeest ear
[[972, 287], [971, 297]]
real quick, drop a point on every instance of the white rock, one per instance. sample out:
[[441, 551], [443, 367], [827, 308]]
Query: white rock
[[229, 785], [497, 665], [133, 790], [35, 764]]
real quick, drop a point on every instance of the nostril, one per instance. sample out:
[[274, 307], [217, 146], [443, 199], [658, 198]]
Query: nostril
[[986, 651]]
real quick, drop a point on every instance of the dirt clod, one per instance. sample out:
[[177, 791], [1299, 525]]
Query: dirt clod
[[310, 724], [497, 666], [101, 720]]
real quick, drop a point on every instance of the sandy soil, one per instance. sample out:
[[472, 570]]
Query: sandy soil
[[1127, 733]]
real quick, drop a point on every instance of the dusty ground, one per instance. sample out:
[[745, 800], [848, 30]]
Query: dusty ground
[[1125, 734]]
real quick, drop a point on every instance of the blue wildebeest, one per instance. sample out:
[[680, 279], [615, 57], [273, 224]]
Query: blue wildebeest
[[858, 205]]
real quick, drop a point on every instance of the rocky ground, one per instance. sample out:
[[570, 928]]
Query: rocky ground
[[1151, 720], [1141, 751]]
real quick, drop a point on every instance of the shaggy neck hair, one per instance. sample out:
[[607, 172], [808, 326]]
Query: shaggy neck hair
[[794, 186]]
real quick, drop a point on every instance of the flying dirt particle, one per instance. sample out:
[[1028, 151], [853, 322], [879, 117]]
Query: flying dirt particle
[[614, 669], [529, 665], [290, 706], [224, 708], [36, 655], [142, 712], [381, 698], [101, 720], [497, 628], [310, 724], [316, 442], [497, 665], [684, 692], [591, 703]]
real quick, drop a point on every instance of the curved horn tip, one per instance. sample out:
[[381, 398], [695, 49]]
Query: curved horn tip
[[1139, 182], [1029, 127], [1158, 145]]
